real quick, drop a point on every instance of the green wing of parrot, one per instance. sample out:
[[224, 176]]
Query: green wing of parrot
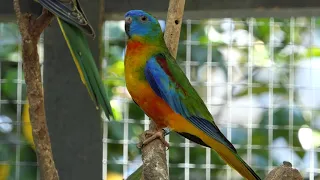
[[89, 74]]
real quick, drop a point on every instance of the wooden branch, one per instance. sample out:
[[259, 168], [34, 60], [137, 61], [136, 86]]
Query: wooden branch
[[154, 154], [173, 25], [154, 158], [31, 29]]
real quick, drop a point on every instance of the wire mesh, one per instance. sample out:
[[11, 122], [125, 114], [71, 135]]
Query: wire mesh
[[258, 79], [17, 157]]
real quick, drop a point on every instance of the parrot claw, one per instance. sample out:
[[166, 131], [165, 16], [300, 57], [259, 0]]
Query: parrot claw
[[151, 135]]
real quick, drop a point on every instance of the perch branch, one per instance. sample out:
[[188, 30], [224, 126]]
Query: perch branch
[[154, 154], [154, 158], [31, 29]]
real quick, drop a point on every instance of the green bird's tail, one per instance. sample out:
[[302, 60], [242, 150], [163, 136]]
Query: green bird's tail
[[81, 54]]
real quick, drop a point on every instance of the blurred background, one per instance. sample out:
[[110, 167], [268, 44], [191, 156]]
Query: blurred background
[[258, 77]]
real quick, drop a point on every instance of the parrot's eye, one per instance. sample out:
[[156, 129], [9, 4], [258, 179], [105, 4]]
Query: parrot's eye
[[143, 18]]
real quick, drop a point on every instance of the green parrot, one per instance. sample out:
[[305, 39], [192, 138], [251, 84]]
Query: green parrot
[[72, 22]]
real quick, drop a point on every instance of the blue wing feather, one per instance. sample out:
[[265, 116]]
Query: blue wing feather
[[169, 90]]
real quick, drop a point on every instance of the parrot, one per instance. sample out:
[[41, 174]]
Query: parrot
[[73, 23], [160, 88], [71, 12]]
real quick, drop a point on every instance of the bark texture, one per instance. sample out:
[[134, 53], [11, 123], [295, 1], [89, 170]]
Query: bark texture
[[31, 29]]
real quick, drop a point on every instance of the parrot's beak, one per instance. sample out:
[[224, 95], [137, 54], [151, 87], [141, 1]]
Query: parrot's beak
[[128, 21]]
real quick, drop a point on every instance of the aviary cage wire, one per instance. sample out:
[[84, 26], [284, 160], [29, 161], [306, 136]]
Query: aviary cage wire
[[17, 158], [258, 77]]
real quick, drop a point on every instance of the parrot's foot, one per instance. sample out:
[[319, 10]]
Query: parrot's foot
[[152, 135]]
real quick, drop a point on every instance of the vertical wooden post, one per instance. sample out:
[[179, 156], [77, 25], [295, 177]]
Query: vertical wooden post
[[173, 25]]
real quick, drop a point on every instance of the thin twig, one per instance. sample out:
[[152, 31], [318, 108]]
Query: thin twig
[[16, 5], [154, 154], [31, 29]]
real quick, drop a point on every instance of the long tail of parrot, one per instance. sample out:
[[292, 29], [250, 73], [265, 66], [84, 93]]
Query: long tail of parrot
[[86, 66], [72, 22], [202, 132], [235, 161]]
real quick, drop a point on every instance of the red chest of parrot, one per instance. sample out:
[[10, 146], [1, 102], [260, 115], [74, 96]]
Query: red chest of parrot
[[137, 54]]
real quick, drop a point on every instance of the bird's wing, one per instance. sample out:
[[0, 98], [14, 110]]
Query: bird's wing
[[70, 11], [169, 82]]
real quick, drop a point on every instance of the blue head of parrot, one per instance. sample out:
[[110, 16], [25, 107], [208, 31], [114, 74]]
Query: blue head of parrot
[[140, 23]]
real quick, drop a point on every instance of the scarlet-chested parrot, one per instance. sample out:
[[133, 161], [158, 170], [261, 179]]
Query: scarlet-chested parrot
[[161, 89], [73, 23]]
